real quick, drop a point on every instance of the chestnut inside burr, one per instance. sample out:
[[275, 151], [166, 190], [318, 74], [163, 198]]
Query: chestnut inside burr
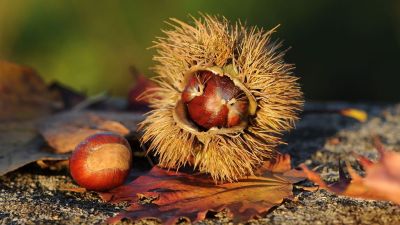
[[214, 101]]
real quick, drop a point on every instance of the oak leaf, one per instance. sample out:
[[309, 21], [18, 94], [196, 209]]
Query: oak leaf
[[180, 194], [381, 182]]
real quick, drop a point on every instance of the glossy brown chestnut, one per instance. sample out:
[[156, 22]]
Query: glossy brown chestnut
[[101, 162], [214, 101]]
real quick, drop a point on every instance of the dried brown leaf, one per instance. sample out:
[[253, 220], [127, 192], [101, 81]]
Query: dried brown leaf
[[20, 145], [179, 194], [23, 94], [52, 164], [24, 98], [279, 164], [64, 131], [382, 180]]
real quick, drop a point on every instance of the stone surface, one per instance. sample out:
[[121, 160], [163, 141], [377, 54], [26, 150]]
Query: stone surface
[[32, 196]]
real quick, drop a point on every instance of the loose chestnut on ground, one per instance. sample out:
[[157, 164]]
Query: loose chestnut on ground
[[101, 162]]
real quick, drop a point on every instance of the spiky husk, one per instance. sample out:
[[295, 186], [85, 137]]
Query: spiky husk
[[212, 41]]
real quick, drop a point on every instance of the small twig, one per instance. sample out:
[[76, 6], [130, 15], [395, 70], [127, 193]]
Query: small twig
[[100, 97]]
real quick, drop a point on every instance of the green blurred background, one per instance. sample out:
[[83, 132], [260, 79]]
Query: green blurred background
[[343, 50]]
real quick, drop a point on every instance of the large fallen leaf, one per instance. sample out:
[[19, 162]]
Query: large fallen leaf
[[23, 94], [180, 194], [20, 144], [24, 99], [64, 131], [381, 182]]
